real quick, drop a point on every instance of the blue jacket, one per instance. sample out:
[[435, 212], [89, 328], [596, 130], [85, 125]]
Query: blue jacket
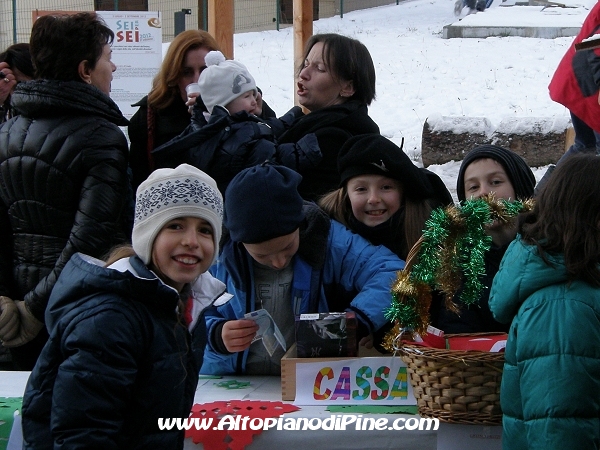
[[328, 254], [117, 359], [550, 393], [227, 144]]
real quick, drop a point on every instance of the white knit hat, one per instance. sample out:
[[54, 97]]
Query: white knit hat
[[223, 80], [170, 193]]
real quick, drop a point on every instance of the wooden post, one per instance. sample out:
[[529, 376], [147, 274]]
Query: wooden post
[[303, 29], [221, 23]]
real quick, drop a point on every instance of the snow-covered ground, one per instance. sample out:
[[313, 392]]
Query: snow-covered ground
[[421, 75]]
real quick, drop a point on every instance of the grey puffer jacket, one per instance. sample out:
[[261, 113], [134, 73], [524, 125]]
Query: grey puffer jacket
[[63, 184]]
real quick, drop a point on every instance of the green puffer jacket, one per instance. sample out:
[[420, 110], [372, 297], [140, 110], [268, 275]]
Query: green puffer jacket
[[550, 393]]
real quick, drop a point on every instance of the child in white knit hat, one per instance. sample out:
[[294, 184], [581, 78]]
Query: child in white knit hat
[[126, 337], [233, 137], [229, 84]]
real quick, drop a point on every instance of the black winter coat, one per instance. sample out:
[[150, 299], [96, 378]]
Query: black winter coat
[[63, 166], [476, 318], [118, 359], [168, 123], [227, 144], [333, 126]]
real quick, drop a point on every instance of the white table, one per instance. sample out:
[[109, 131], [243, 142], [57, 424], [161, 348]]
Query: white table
[[269, 388], [12, 384]]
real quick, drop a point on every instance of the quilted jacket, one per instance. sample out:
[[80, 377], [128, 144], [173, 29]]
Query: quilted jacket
[[64, 185], [117, 360], [550, 392], [227, 144]]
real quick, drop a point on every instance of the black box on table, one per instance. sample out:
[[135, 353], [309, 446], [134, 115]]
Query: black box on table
[[326, 335]]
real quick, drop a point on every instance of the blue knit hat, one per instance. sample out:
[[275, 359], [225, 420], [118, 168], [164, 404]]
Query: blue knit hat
[[263, 203]]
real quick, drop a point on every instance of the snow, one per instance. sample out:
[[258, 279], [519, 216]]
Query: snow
[[459, 125], [529, 16], [420, 75]]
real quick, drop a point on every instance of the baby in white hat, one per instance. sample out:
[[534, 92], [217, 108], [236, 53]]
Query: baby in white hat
[[233, 136], [229, 84]]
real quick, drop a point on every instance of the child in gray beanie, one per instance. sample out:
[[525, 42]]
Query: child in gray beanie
[[233, 136], [486, 169], [518, 174], [128, 331]]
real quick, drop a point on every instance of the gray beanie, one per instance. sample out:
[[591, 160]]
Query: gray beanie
[[170, 193], [223, 80]]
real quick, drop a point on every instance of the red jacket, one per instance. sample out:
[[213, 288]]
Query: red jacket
[[576, 82]]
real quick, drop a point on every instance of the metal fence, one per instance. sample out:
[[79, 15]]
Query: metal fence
[[16, 17]]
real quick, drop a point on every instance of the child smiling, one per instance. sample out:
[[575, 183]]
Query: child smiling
[[126, 335]]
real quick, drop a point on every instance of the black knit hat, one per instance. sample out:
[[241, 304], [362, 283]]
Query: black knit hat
[[519, 173], [262, 203], [368, 154]]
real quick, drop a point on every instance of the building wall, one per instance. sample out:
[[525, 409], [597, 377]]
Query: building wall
[[250, 15]]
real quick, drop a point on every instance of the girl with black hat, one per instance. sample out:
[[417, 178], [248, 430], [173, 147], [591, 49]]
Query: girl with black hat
[[383, 196]]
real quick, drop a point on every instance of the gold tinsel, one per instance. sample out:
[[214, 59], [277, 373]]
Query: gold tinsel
[[458, 229], [390, 341]]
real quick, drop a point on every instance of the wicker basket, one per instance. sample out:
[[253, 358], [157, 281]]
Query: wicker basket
[[455, 386]]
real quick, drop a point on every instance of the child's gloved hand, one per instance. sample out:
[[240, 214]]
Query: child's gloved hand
[[9, 319], [29, 326]]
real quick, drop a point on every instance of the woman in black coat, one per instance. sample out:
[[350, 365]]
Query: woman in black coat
[[336, 83], [63, 166], [163, 113]]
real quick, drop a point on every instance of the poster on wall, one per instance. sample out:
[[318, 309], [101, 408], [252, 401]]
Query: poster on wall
[[136, 51]]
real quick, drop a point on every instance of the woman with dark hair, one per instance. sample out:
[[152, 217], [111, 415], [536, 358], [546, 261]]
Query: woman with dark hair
[[548, 290], [63, 165], [336, 83], [15, 67]]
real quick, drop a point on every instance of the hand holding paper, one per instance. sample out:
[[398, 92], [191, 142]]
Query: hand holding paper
[[268, 330], [239, 334]]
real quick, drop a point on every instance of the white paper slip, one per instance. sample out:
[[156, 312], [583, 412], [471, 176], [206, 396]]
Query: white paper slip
[[268, 331]]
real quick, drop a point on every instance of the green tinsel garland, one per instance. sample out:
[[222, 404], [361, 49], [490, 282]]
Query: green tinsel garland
[[451, 254]]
